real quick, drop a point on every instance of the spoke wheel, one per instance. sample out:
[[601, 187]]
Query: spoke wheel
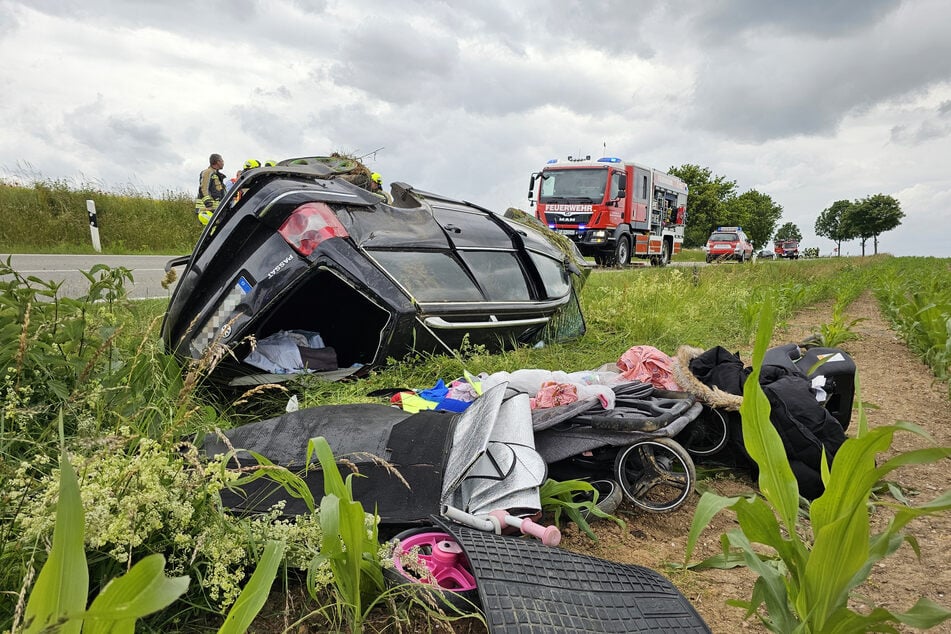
[[656, 475], [706, 435]]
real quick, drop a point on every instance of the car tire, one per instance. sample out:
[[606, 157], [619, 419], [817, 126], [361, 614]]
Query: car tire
[[622, 251]]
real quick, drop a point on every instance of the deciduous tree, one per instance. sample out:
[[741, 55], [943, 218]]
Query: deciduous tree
[[872, 216], [756, 212], [830, 223], [788, 231], [705, 201]]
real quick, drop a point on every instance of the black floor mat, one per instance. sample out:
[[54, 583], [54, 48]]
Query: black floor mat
[[526, 587]]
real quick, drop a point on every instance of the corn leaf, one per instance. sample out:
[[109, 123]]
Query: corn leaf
[[142, 591], [770, 587], [709, 505], [255, 593], [776, 480], [62, 585]]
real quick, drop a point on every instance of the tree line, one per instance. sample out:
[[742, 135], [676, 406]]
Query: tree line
[[713, 202]]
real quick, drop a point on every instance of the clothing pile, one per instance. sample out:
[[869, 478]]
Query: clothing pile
[[292, 351], [798, 411]]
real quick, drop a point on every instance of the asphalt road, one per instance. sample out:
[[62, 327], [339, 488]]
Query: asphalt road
[[148, 271]]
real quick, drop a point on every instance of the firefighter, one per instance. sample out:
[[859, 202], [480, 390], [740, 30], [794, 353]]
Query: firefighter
[[211, 189], [376, 187]]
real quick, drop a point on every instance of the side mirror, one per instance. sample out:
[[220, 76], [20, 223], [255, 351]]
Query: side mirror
[[531, 187], [622, 186]]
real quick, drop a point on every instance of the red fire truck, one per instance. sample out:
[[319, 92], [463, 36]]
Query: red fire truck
[[612, 209]]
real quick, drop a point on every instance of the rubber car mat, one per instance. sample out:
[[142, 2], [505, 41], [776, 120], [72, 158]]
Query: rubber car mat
[[525, 587]]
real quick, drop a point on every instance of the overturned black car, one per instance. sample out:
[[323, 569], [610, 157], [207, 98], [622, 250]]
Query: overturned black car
[[304, 255]]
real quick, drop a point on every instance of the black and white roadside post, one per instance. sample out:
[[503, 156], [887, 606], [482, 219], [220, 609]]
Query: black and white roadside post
[[93, 226]]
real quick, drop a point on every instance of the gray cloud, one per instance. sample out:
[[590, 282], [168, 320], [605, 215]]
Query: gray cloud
[[809, 102], [765, 86], [125, 139], [721, 21], [394, 61]]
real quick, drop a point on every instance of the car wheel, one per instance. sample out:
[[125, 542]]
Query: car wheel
[[622, 252]]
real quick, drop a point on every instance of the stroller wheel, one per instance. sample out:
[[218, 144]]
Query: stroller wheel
[[446, 566], [609, 496], [706, 435], [656, 475]]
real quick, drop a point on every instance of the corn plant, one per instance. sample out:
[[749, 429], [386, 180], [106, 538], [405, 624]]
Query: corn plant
[[805, 584], [839, 330], [561, 497], [351, 549]]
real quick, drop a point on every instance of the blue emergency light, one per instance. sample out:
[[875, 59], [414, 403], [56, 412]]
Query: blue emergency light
[[609, 159], [552, 161]]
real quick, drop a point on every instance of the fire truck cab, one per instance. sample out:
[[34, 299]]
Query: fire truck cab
[[613, 210]]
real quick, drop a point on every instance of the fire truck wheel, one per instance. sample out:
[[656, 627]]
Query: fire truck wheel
[[664, 259], [622, 252]]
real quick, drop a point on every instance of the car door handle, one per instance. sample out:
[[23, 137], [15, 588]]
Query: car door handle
[[452, 228], [439, 322]]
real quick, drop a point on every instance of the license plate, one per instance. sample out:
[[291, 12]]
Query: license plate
[[566, 232]]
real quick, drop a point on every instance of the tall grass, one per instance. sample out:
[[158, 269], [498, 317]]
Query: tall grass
[[51, 217]]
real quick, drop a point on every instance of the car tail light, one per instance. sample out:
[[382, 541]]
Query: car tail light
[[309, 225]]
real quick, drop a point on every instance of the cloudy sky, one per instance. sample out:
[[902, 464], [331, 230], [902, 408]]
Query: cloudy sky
[[809, 102]]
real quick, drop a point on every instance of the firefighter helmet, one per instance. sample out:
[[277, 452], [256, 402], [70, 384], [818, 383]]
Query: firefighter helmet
[[250, 164]]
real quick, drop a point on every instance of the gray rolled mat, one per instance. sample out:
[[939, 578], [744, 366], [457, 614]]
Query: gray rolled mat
[[526, 587]]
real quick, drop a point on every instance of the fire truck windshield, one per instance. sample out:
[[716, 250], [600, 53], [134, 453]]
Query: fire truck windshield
[[573, 185]]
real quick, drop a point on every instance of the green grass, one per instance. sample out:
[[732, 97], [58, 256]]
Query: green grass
[[130, 414], [51, 217]]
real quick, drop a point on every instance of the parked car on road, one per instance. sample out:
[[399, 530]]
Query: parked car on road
[[766, 254], [729, 243], [301, 255]]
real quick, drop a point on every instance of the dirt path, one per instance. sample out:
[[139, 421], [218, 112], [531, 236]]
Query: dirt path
[[896, 386]]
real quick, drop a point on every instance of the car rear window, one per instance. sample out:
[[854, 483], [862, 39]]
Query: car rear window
[[723, 237]]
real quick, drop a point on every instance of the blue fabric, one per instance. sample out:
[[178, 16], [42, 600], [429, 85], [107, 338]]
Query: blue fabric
[[436, 393], [453, 405]]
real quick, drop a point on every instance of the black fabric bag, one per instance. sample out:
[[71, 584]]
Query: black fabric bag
[[804, 425]]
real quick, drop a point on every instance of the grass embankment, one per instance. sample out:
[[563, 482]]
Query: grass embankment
[[51, 217], [127, 406]]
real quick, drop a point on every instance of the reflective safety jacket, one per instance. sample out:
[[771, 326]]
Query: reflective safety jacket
[[211, 189]]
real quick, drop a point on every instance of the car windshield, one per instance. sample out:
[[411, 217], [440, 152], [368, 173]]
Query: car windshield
[[723, 237], [573, 185]]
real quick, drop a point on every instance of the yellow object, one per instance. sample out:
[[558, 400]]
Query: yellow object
[[205, 215], [376, 177], [250, 164], [413, 403]]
